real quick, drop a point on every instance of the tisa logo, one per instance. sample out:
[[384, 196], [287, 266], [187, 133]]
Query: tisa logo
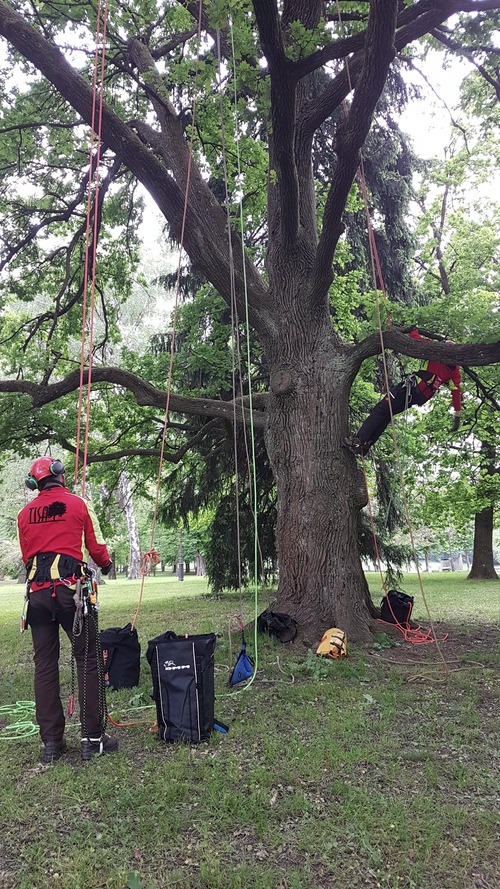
[[171, 665]]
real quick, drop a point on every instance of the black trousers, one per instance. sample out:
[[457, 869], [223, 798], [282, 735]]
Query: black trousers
[[46, 614], [379, 418]]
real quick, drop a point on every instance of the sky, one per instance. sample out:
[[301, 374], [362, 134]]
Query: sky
[[428, 122]]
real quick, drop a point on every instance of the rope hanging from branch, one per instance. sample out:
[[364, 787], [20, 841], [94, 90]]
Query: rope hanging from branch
[[237, 368], [148, 560], [91, 247], [416, 636]]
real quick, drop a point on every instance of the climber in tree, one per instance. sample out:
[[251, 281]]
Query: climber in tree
[[418, 389]]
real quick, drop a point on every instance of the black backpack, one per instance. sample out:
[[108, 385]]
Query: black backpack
[[282, 626], [182, 670], [121, 654], [396, 608]]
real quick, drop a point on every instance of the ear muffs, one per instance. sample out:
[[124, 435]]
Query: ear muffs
[[55, 468]]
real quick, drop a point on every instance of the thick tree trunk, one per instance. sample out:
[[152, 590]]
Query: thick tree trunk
[[482, 556], [320, 487]]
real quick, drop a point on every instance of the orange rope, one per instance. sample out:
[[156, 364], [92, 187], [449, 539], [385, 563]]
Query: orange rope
[[149, 560], [134, 722], [93, 165]]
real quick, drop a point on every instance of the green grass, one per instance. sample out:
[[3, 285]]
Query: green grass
[[381, 770]]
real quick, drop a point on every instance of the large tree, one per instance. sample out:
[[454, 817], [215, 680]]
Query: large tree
[[156, 64]]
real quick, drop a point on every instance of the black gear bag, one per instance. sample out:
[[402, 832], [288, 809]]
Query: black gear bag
[[396, 608], [277, 624], [121, 654], [182, 670]]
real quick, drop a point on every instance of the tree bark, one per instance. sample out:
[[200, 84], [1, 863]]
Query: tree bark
[[482, 555], [320, 488], [200, 565]]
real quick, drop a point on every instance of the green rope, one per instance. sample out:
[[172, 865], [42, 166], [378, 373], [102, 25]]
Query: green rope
[[250, 396], [22, 726]]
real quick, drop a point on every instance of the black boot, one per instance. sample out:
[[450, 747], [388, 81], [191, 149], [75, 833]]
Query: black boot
[[53, 750], [93, 746], [355, 446]]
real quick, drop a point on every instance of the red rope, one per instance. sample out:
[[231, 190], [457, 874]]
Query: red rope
[[413, 634], [149, 560], [94, 162]]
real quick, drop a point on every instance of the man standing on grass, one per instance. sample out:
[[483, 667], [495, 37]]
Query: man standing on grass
[[55, 531]]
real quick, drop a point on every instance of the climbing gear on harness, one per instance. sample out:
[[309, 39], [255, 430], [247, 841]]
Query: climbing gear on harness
[[98, 746], [86, 609], [81, 608], [24, 612], [333, 644], [409, 381]]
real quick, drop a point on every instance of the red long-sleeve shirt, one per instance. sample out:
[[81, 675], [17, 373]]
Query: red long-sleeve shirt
[[438, 374], [61, 522]]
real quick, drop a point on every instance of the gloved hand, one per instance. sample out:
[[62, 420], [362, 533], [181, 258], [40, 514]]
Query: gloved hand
[[107, 569], [456, 421]]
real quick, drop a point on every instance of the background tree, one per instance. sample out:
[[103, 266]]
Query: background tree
[[459, 236]]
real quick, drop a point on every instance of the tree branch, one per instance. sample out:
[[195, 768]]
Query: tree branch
[[379, 53], [174, 457], [205, 236], [412, 23], [281, 138], [476, 354], [145, 394], [465, 51]]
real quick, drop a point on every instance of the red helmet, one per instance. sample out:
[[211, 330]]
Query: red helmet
[[43, 467]]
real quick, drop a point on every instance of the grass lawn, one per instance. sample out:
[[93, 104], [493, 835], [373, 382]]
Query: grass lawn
[[380, 770]]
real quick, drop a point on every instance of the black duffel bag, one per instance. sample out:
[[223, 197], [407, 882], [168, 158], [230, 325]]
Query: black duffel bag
[[396, 608], [182, 671], [121, 653]]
